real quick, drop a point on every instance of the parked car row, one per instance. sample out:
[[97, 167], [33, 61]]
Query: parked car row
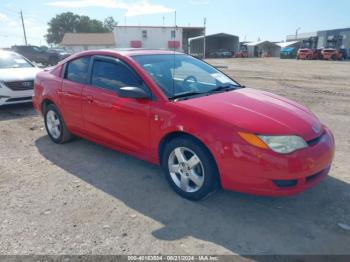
[[42, 56]]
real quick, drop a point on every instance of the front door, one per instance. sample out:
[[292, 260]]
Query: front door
[[122, 122]]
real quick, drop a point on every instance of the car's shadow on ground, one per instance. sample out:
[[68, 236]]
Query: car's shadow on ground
[[15, 111], [305, 224]]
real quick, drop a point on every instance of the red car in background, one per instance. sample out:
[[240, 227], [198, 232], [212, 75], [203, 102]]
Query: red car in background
[[202, 127]]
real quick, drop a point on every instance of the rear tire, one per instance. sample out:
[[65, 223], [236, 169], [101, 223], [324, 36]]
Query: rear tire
[[55, 126], [190, 169]]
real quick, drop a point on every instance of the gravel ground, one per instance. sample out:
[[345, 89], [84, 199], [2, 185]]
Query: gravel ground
[[81, 198]]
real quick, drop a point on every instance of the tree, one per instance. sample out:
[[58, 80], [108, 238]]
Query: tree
[[61, 24], [110, 23], [69, 22]]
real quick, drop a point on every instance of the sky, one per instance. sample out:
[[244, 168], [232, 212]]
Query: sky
[[249, 19]]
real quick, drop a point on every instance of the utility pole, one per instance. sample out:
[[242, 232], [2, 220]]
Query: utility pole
[[204, 39], [24, 29]]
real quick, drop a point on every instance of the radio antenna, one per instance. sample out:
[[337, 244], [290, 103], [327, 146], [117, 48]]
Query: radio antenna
[[174, 49]]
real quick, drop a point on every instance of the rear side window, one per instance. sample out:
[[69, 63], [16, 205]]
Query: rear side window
[[78, 70], [112, 76]]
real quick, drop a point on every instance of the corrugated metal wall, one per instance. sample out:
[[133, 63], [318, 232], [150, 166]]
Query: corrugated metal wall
[[214, 43], [323, 36]]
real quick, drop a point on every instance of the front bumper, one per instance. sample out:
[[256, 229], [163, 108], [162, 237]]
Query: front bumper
[[8, 96], [247, 169]]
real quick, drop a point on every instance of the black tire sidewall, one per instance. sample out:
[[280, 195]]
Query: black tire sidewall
[[211, 178], [58, 140]]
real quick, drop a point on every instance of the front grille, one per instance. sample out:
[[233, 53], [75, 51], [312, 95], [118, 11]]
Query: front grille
[[20, 85], [285, 183], [17, 99], [315, 140]]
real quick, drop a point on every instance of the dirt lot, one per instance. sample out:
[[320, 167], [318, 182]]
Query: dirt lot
[[81, 198]]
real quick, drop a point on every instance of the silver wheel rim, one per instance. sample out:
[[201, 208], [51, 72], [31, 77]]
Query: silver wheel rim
[[53, 124], [186, 169]]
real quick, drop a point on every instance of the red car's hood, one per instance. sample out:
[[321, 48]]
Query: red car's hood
[[259, 112]]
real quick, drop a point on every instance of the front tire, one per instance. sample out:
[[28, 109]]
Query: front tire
[[190, 169], [55, 126]]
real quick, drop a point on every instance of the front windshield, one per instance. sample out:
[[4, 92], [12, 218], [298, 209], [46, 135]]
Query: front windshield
[[12, 60], [179, 75]]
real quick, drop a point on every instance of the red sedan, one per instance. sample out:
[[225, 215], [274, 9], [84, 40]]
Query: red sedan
[[203, 128]]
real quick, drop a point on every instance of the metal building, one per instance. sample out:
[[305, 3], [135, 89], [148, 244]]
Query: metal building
[[155, 37], [77, 42], [300, 37], [213, 44], [293, 44], [263, 49], [323, 36]]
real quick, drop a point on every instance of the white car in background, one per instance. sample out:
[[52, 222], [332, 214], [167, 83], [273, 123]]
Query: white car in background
[[17, 76]]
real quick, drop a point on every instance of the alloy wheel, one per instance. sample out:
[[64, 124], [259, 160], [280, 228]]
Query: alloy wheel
[[186, 169], [53, 124]]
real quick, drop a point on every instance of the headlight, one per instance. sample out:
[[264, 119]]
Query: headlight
[[278, 144], [284, 144]]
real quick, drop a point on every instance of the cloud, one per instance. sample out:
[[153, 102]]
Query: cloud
[[4, 17], [143, 7], [12, 32]]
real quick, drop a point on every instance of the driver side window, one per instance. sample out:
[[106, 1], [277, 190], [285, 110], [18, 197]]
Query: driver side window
[[112, 76]]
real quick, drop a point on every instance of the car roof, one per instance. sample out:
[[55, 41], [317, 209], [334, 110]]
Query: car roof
[[128, 52]]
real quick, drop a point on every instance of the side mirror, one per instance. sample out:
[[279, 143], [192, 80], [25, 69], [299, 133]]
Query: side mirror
[[133, 92]]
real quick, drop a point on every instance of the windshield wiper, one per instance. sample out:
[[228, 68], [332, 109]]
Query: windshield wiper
[[184, 95], [227, 87]]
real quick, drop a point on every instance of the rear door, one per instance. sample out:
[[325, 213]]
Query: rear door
[[122, 122], [75, 78]]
